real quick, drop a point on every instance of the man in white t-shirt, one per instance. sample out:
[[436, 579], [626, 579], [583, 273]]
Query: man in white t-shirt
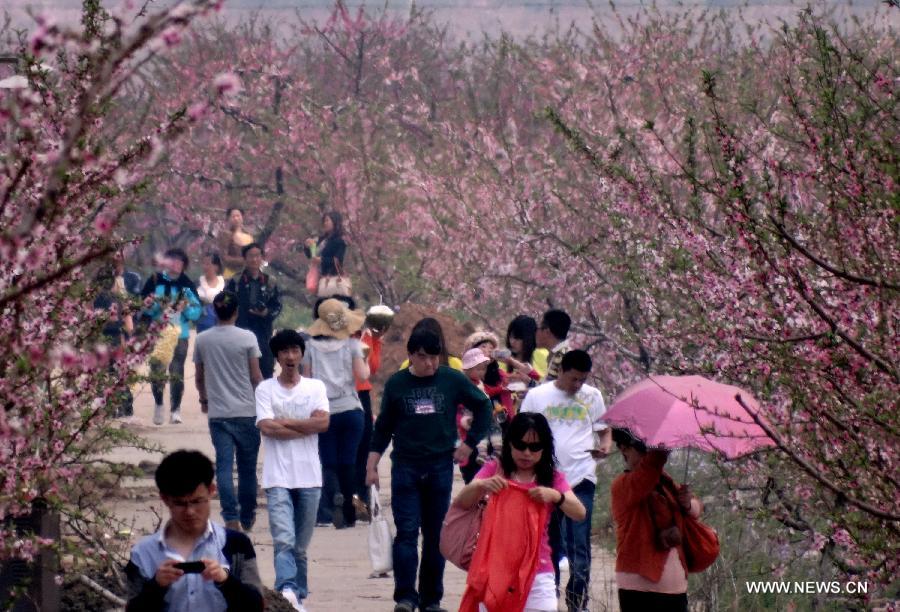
[[290, 413], [573, 409]]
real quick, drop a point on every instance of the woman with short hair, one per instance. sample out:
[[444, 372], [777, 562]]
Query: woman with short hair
[[647, 506]]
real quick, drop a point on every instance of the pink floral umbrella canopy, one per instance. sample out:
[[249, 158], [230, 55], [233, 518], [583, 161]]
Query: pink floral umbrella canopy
[[690, 412]]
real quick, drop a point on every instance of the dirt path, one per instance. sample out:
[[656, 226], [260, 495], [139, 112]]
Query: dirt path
[[339, 565]]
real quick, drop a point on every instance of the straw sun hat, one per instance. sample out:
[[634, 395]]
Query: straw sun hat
[[336, 320], [480, 336]]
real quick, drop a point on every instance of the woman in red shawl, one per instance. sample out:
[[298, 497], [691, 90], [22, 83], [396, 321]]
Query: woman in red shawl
[[527, 462]]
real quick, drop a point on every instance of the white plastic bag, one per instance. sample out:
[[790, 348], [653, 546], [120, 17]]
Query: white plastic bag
[[380, 537]]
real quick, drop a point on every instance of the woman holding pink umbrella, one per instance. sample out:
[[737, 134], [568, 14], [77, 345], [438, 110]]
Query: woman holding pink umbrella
[[658, 535], [648, 509]]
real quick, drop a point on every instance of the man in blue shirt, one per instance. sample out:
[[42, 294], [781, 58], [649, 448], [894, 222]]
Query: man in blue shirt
[[192, 564]]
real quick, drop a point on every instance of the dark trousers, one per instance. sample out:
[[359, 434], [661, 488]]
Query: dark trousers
[[266, 360], [122, 401], [471, 468], [572, 539], [420, 497], [641, 601], [337, 451], [362, 453], [175, 378]]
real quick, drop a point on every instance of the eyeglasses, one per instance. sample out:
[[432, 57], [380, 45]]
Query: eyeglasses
[[520, 445], [189, 503]]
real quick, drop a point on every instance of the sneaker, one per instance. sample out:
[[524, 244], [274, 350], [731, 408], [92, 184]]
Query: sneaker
[[404, 606], [291, 598], [434, 608], [248, 526], [176, 417], [233, 525], [564, 564], [158, 414]]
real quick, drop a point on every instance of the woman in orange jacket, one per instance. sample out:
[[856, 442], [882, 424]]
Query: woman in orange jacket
[[505, 566], [647, 507]]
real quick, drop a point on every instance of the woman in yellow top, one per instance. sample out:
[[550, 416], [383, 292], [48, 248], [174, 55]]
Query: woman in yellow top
[[232, 241], [521, 340], [432, 325]]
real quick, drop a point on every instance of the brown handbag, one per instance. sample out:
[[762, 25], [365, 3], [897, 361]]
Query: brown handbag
[[330, 286], [666, 533]]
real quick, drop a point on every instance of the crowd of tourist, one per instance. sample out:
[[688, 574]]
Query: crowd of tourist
[[519, 418]]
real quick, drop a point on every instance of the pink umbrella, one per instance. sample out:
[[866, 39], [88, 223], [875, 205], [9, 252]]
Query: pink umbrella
[[690, 412]]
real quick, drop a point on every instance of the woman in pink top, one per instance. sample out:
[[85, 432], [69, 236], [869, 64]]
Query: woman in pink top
[[527, 458]]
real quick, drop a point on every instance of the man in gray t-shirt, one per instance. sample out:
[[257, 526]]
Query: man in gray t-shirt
[[227, 360]]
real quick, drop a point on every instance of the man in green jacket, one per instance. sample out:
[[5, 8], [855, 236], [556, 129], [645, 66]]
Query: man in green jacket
[[418, 411]]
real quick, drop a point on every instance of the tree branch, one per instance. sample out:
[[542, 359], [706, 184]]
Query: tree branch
[[825, 265], [790, 451]]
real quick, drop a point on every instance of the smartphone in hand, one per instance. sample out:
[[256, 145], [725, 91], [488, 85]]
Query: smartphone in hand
[[191, 567]]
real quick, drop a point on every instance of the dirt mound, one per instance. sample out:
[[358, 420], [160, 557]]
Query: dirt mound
[[394, 351]]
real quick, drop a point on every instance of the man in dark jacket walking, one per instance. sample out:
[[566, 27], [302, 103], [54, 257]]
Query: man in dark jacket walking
[[418, 413], [259, 303]]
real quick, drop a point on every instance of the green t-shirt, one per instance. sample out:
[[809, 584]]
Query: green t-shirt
[[420, 414]]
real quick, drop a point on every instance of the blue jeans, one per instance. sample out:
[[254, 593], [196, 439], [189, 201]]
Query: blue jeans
[[420, 497], [292, 519], [337, 451], [236, 437], [572, 539]]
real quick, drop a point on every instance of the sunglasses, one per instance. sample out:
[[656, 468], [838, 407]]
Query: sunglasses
[[520, 445]]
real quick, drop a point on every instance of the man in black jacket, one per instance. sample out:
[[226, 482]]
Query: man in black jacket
[[259, 303], [418, 415], [192, 563]]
